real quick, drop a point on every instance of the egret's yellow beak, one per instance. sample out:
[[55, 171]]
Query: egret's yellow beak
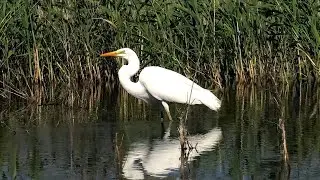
[[113, 53]]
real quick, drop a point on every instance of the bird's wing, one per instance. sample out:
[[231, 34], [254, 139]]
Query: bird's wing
[[167, 85]]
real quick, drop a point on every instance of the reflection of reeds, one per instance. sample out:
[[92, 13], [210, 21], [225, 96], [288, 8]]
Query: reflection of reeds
[[13, 160], [258, 111], [64, 104], [119, 153]]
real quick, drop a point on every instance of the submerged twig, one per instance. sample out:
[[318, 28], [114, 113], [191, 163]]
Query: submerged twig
[[284, 142], [285, 166]]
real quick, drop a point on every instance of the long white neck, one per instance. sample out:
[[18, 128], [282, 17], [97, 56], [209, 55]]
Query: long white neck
[[126, 72]]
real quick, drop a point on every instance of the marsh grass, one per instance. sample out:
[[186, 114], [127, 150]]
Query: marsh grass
[[48, 44], [226, 40]]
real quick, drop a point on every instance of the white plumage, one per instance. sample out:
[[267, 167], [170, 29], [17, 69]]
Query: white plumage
[[157, 84], [163, 157]]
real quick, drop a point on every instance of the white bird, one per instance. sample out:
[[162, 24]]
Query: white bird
[[163, 157], [157, 84]]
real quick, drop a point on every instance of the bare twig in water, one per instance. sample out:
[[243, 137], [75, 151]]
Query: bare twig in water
[[284, 142], [284, 172]]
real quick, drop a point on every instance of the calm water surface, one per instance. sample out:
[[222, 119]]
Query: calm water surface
[[119, 137]]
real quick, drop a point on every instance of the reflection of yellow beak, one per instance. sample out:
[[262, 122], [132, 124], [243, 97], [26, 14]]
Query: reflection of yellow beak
[[113, 53]]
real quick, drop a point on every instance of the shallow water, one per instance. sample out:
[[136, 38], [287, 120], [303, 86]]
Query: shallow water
[[121, 138]]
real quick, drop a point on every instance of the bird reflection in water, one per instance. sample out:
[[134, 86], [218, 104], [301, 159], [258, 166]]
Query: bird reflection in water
[[163, 157]]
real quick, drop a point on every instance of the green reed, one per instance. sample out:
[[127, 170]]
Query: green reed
[[223, 40], [51, 42]]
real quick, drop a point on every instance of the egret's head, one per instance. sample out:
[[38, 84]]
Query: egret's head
[[124, 53]]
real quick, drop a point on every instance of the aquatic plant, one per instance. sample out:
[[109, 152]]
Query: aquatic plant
[[46, 43]]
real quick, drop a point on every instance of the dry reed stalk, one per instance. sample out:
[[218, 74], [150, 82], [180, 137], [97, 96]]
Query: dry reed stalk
[[37, 70]]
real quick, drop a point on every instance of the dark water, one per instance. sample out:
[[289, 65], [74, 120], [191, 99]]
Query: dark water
[[119, 137]]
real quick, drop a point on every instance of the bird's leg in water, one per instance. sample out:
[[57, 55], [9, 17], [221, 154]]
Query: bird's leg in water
[[162, 125], [161, 116], [166, 107], [165, 133]]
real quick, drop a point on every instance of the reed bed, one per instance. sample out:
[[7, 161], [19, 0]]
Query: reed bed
[[46, 43]]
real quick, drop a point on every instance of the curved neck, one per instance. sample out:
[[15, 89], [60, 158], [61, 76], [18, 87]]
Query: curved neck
[[126, 72]]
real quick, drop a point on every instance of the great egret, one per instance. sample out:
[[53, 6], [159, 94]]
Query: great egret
[[162, 158], [157, 84]]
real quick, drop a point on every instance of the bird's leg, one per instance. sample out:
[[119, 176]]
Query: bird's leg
[[167, 132], [166, 107], [162, 124], [161, 116]]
